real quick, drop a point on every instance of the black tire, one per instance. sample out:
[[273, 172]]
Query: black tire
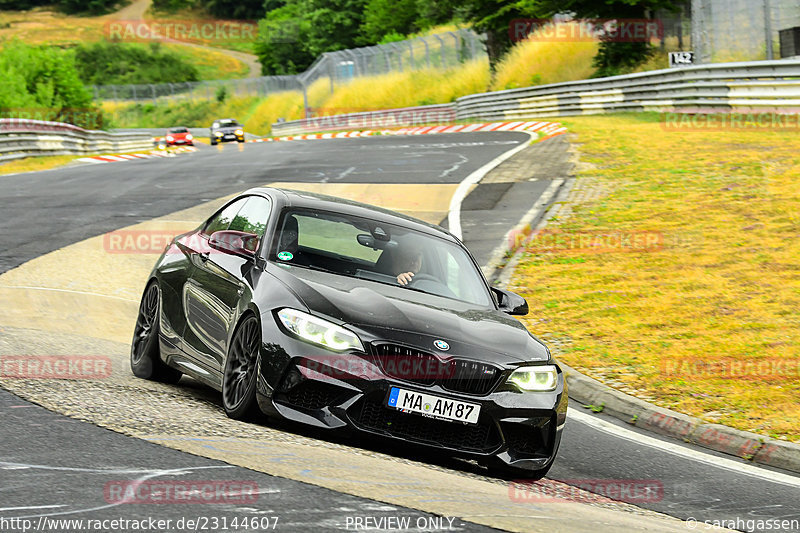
[[146, 360], [241, 368], [241, 141], [212, 141], [501, 470]]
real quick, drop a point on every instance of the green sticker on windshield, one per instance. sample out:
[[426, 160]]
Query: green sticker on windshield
[[285, 256]]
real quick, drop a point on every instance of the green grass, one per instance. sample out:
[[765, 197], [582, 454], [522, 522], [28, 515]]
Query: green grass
[[723, 288]]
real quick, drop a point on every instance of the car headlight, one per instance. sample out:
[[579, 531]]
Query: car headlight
[[170, 138], [218, 133], [189, 137], [239, 132], [535, 378], [318, 331]]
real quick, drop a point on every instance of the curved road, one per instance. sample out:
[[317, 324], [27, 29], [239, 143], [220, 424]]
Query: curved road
[[49, 210]]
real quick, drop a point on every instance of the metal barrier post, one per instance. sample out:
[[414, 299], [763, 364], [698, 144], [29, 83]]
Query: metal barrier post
[[441, 46]]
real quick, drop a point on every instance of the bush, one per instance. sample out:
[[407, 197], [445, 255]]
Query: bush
[[222, 93], [105, 63], [42, 82], [171, 6]]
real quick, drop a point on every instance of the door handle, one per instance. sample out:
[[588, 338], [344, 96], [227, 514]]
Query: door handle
[[203, 256]]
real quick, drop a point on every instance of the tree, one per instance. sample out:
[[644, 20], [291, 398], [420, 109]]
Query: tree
[[237, 9], [293, 35], [614, 56], [433, 12], [282, 41], [89, 7], [386, 17], [493, 18], [333, 24]]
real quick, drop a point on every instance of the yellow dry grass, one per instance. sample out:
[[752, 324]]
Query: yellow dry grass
[[537, 61], [724, 290], [43, 26], [403, 89], [211, 65], [287, 105], [31, 164]]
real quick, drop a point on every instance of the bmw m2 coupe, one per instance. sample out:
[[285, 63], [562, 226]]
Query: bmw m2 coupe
[[342, 315]]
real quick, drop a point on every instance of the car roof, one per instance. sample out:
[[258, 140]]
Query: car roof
[[324, 202]]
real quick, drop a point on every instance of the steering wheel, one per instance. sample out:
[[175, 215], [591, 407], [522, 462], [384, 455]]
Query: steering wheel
[[423, 277], [431, 285]]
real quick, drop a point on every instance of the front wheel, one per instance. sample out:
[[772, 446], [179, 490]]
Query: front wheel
[[146, 360], [240, 374], [213, 142]]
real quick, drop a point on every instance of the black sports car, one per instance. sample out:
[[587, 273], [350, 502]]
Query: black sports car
[[225, 130], [343, 315]]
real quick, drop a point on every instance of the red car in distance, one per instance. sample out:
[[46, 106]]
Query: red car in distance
[[177, 136]]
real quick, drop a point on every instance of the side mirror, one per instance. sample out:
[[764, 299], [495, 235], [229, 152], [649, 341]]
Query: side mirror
[[235, 243], [510, 302]]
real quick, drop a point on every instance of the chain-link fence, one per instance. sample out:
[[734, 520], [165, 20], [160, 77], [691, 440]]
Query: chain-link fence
[[741, 30], [197, 90], [438, 51]]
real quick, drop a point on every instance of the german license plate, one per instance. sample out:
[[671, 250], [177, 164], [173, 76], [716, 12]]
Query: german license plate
[[433, 406]]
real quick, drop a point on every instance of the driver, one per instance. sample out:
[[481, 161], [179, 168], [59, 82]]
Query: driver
[[408, 264]]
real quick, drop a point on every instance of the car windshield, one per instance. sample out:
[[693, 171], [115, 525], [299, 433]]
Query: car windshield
[[378, 252], [179, 130], [227, 123]]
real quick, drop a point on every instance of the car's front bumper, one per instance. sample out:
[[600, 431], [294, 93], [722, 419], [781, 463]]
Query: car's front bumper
[[307, 384], [229, 137]]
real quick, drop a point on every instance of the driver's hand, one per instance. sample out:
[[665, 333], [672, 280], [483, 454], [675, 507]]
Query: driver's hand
[[405, 278]]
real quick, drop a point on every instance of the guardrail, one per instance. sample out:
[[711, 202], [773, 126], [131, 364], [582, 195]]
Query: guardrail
[[25, 138], [761, 85], [379, 119]]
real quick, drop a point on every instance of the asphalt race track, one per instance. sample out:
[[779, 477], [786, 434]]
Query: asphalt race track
[[44, 456]]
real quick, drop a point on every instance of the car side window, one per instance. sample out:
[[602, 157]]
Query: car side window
[[253, 216], [223, 219]]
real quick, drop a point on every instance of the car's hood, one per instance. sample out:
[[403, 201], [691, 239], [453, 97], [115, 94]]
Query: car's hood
[[228, 129], [398, 314]]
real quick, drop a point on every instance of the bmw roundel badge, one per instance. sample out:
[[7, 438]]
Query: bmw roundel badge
[[441, 345]]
